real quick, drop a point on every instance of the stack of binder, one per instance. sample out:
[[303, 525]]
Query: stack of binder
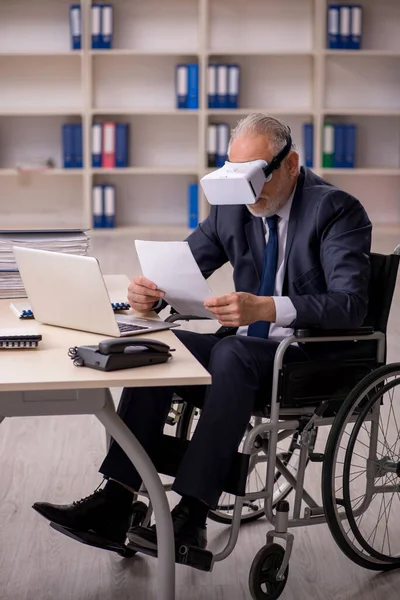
[[217, 144], [187, 86], [103, 206], [102, 26], [70, 242], [223, 86], [110, 145], [72, 146], [344, 27], [339, 146]]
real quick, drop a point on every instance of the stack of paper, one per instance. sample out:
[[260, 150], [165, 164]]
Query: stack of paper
[[70, 242]]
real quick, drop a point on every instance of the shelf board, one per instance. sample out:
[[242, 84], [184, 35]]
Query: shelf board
[[367, 112], [40, 172], [133, 52], [365, 171], [38, 53], [39, 112], [283, 52], [147, 171], [161, 112], [270, 111], [366, 53], [137, 231]]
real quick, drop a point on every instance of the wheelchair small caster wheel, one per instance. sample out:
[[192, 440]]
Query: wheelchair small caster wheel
[[139, 512], [262, 577]]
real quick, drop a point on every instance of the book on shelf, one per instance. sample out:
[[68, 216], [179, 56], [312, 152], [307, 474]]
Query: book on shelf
[[75, 26], [72, 150], [193, 205], [344, 26], [217, 144], [339, 146], [223, 85], [308, 144]]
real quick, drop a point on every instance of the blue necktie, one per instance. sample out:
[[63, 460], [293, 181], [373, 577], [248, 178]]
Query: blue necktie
[[267, 286]]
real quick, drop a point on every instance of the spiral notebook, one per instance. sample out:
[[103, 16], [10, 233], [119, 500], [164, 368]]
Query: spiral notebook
[[23, 309], [14, 338]]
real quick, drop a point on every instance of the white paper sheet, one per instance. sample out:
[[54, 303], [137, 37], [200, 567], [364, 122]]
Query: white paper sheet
[[172, 267]]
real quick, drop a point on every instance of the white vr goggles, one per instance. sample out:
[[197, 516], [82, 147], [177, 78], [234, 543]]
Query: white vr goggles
[[241, 183]]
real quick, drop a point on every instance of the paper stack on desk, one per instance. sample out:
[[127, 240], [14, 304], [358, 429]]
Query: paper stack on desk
[[70, 242]]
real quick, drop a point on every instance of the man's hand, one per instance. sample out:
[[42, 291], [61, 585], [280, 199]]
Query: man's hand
[[241, 308], [143, 294]]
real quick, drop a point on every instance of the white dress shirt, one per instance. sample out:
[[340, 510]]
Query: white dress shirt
[[285, 310]]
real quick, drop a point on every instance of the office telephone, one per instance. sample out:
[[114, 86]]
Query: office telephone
[[113, 354]]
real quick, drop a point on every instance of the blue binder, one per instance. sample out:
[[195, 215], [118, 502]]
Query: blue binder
[[333, 26], [75, 24], [212, 145], [350, 140], [181, 86], [308, 144], [356, 27], [193, 86], [233, 86], [109, 206], [121, 144], [68, 146], [212, 86], [77, 152], [339, 149], [96, 26], [97, 132], [193, 205], [344, 27], [222, 86], [97, 206], [222, 144], [106, 36]]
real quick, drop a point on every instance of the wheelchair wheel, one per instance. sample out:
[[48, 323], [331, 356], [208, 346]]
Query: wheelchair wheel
[[262, 577], [361, 472], [287, 450]]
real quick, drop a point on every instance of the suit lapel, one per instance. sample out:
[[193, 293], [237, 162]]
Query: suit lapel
[[255, 235], [294, 214]]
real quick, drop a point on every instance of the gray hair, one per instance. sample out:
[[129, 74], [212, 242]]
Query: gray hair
[[261, 124]]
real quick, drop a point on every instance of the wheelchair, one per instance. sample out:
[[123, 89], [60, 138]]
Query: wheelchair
[[360, 480]]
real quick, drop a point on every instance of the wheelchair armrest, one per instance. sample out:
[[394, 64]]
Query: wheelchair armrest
[[316, 333], [178, 317]]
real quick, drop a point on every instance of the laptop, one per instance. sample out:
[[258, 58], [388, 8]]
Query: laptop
[[69, 291]]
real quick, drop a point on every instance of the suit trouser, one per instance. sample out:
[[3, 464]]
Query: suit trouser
[[241, 369]]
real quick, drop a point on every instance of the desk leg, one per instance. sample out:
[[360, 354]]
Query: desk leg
[[166, 547]]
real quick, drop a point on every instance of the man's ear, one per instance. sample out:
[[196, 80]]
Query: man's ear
[[292, 161]]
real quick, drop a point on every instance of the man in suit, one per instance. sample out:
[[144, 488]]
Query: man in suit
[[300, 258]]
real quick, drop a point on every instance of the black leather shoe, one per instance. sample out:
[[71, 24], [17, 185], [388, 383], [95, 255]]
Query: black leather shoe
[[94, 514], [186, 532]]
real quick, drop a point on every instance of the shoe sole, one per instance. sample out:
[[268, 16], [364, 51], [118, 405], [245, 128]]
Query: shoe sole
[[137, 540]]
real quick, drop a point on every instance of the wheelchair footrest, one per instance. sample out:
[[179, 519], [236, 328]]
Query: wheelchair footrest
[[185, 555], [93, 539]]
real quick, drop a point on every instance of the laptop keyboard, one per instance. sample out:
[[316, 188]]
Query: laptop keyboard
[[125, 327]]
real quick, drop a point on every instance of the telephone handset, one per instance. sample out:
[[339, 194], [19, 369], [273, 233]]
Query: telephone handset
[[113, 354]]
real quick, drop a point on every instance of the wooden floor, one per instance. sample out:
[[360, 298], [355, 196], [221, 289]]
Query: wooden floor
[[56, 459]]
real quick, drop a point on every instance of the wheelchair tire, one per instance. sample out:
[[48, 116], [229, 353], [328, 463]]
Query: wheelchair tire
[[345, 526], [263, 584], [183, 431]]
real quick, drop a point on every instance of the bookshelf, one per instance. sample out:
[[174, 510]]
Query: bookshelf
[[286, 71]]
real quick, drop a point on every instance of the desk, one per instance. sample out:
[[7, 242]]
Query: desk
[[44, 381]]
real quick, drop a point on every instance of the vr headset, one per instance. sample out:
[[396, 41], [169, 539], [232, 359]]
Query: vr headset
[[241, 183]]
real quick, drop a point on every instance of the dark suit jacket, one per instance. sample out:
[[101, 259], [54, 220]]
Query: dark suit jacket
[[327, 253]]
